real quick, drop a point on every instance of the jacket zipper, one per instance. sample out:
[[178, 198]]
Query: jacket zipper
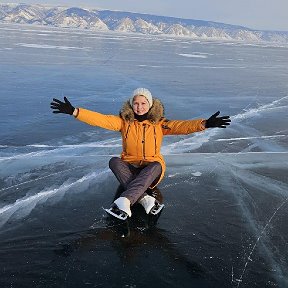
[[155, 142], [127, 131], [126, 135], [143, 140]]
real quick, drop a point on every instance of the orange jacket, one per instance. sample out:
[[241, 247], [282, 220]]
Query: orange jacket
[[141, 141]]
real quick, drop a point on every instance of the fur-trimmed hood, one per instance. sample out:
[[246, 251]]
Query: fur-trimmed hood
[[155, 114]]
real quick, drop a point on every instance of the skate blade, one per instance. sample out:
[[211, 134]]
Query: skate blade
[[122, 216], [156, 209]]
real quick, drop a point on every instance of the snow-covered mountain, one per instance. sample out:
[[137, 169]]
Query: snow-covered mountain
[[105, 20], [77, 18]]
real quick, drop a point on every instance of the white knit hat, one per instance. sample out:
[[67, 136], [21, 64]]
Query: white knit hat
[[142, 92]]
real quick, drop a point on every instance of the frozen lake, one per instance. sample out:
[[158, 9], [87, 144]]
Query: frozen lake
[[225, 190]]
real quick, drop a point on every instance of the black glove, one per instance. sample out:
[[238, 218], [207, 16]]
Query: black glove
[[62, 107], [220, 122]]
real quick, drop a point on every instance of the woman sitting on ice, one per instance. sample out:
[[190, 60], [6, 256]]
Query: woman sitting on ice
[[142, 125]]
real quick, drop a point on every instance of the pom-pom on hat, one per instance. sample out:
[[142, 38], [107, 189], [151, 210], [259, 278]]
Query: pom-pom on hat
[[142, 92]]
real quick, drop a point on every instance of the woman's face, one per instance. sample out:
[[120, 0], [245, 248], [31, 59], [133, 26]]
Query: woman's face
[[140, 105]]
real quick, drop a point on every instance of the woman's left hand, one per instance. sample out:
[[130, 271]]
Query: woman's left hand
[[215, 121]]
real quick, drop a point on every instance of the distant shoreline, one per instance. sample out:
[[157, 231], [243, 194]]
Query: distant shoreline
[[130, 22]]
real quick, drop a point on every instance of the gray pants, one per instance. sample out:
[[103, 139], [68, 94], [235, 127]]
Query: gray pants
[[134, 180]]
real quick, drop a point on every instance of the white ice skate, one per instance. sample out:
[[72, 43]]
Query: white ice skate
[[120, 208], [151, 205]]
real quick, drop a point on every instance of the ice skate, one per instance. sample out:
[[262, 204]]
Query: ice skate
[[120, 208], [156, 209], [151, 205]]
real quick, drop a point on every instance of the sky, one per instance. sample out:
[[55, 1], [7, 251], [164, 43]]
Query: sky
[[255, 14]]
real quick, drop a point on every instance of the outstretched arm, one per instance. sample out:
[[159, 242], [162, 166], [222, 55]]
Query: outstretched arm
[[183, 127], [110, 122]]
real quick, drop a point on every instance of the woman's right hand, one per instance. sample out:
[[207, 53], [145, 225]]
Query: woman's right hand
[[62, 107]]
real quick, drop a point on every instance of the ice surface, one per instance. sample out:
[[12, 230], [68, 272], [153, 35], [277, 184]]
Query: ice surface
[[225, 190], [23, 206], [198, 55], [30, 45]]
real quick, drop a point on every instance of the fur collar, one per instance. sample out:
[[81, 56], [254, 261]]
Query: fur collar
[[155, 114]]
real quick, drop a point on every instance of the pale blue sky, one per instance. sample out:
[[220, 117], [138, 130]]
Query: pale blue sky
[[256, 14]]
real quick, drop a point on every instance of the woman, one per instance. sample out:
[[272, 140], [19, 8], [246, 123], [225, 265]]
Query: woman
[[142, 125]]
